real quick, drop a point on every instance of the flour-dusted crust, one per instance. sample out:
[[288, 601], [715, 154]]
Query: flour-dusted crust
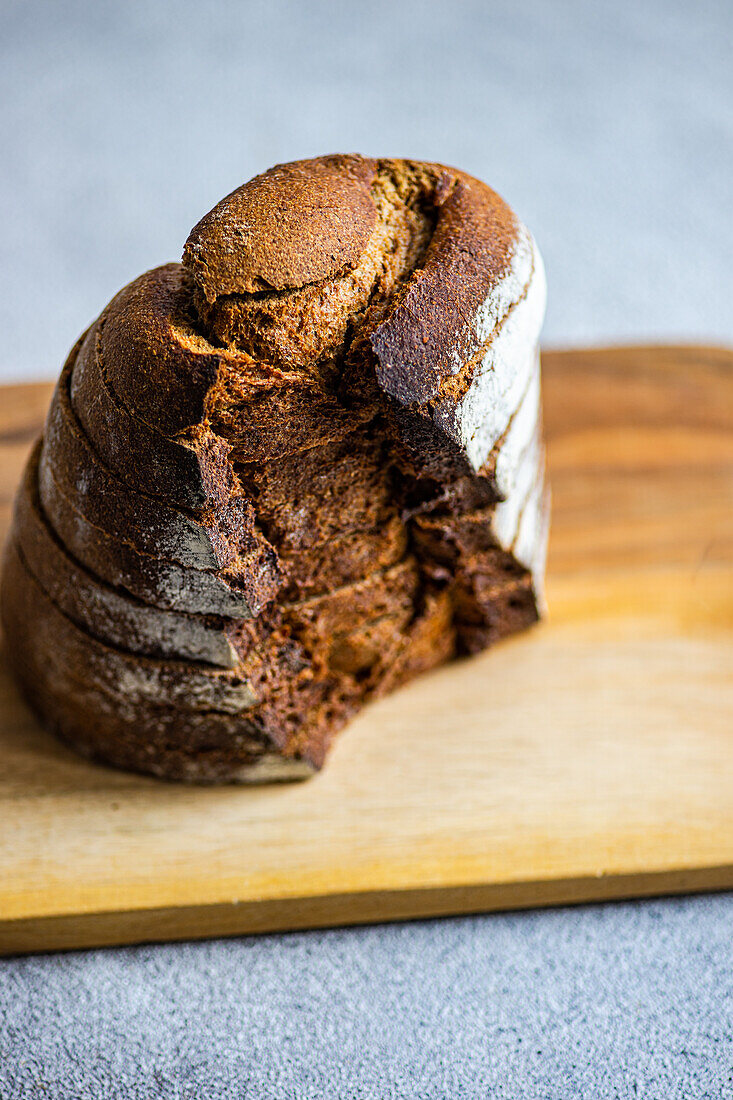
[[213, 539], [310, 454], [67, 650], [111, 614], [159, 581]]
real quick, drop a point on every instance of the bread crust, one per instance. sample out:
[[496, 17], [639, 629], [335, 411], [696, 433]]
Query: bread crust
[[432, 325], [152, 579], [187, 746], [157, 713], [110, 614], [161, 367], [193, 468], [67, 652], [207, 539], [427, 347], [297, 223]]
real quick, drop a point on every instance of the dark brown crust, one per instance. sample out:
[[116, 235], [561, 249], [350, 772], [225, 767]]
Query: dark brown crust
[[108, 613], [297, 223], [193, 469], [67, 652], [153, 580], [83, 688], [158, 364], [191, 746], [433, 323], [205, 540]]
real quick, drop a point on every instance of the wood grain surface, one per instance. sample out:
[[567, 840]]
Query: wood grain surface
[[590, 758]]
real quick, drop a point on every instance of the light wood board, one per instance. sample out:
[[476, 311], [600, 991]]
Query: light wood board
[[590, 758]]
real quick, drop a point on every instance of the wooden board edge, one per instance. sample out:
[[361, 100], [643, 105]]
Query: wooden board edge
[[116, 928]]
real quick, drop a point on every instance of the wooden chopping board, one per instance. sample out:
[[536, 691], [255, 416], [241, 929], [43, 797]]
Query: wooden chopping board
[[589, 758]]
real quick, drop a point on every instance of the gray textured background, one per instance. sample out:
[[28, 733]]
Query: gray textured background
[[609, 127], [601, 1003]]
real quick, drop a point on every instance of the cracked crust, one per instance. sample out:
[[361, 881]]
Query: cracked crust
[[295, 224], [310, 454]]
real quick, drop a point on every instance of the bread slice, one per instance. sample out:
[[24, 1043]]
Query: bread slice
[[111, 614], [114, 727], [210, 539], [193, 468], [68, 652], [154, 579], [158, 715]]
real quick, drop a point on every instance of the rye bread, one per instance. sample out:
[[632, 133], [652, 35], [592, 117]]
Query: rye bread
[[155, 709], [348, 619], [350, 346], [188, 746]]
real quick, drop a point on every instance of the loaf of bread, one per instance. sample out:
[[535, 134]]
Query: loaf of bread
[[286, 475]]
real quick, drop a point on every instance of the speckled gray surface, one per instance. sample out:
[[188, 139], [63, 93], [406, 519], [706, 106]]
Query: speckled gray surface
[[610, 127], [608, 1001]]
